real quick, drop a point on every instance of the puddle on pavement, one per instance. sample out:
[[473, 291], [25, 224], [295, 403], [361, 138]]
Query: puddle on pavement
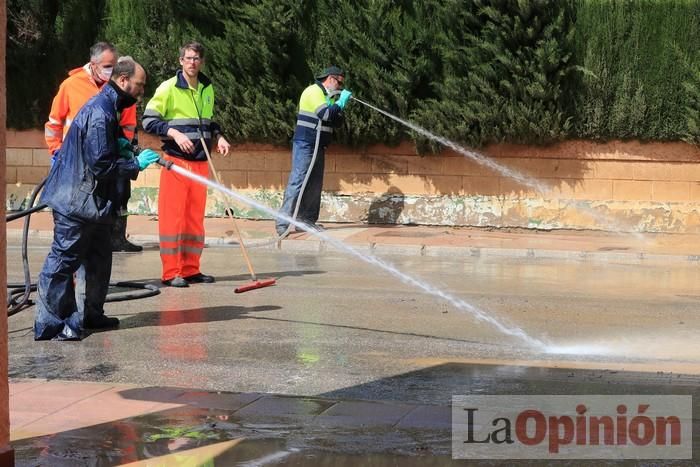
[[202, 445], [286, 431], [40, 365], [195, 436]]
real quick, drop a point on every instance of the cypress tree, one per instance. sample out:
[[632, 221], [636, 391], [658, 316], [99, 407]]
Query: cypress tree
[[506, 71], [692, 101], [77, 28], [252, 63], [388, 51], [28, 44], [151, 31], [478, 72], [634, 53], [247, 55], [40, 50]]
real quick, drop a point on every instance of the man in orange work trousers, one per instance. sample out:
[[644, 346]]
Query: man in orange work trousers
[[82, 84], [181, 113]]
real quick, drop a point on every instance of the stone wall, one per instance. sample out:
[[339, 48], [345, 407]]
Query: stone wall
[[575, 184]]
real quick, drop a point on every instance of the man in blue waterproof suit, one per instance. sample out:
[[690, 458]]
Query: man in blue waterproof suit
[[320, 110], [86, 186]]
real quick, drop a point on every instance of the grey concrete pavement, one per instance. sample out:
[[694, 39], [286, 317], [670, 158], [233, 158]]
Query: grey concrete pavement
[[336, 316]]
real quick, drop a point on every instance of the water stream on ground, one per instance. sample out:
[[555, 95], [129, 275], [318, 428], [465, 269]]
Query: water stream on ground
[[510, 330], [603, 220]]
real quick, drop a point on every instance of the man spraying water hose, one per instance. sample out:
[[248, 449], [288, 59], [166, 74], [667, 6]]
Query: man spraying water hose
[[320, 110], [85, 190]]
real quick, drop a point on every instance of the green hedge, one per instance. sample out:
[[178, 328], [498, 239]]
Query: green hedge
[[45, 39], [637, 56], [692, 104], [479, 71], [506, 68]]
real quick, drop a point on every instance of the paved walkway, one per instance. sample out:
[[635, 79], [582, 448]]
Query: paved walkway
[[78, 423], [431, 240]]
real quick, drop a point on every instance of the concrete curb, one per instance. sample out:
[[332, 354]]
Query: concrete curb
[[316, 246]]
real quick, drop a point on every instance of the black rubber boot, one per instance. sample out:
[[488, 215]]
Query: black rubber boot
[[119, 241], [101, 322]]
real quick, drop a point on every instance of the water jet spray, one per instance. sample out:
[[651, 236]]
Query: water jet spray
[[459, 304]]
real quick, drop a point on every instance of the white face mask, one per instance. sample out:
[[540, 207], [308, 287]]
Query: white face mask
[[105, 74]]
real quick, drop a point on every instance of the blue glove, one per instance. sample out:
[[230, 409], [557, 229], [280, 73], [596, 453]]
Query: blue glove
[[146, 158], [125, 148], [344, 98]]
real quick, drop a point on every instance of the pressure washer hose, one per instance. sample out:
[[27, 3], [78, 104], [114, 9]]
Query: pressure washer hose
[[279, 237], [306, 180], [18, 294]]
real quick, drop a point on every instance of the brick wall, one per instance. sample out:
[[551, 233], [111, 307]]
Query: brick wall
[[633, 186]]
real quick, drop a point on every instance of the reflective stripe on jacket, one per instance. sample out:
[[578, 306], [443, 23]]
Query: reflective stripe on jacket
[[73, 93], [317, 108], [176, 105]]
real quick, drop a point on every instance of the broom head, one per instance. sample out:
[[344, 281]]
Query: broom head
[[255, 285]]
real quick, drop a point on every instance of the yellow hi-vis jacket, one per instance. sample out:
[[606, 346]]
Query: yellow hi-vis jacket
[[317, 109], [176, 105]]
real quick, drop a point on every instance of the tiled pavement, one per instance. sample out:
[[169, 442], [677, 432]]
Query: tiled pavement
[[53, 421]]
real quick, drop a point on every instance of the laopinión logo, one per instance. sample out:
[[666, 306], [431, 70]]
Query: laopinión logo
[[572, 427]]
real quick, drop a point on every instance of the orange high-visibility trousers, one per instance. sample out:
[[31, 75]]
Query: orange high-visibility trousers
[[181, 204]]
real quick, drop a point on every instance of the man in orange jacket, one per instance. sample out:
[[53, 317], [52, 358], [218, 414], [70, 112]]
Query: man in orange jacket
[[82, 84]]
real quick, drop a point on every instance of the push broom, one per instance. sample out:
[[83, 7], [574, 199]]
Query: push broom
[[255, 284]]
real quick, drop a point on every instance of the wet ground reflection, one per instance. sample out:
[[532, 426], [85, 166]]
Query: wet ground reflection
[[219, 428]]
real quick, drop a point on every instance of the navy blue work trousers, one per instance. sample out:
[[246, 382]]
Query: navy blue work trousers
[[302, 154], [63, 303]]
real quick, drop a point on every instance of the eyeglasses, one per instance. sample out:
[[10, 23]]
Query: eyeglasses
[[192, 59], [341, 82]]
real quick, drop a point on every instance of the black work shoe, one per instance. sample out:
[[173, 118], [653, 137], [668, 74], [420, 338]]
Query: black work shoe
[[176, 281], [127, 247], [101, 322], [200, 278]]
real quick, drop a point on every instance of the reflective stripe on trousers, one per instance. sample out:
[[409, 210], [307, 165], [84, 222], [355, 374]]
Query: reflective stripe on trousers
[[181, 204]]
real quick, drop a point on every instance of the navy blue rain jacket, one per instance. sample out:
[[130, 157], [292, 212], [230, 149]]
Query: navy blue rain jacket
[[89, 180]]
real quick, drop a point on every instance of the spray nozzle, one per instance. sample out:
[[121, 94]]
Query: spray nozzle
[[165, 163], [136, 149]]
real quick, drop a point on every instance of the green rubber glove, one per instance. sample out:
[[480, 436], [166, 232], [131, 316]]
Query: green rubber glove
[[146, 158], [344, 98], [125, 148]]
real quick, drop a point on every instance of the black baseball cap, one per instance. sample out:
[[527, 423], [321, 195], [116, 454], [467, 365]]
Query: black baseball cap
[[331, 70]]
